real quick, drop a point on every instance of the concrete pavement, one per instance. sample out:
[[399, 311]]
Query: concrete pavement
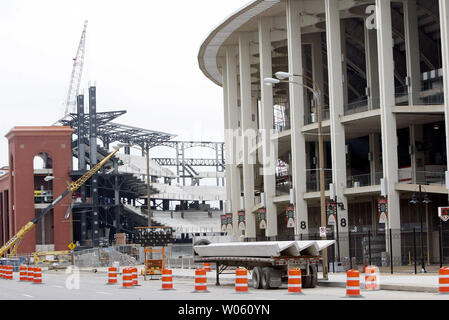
[[397, 282]]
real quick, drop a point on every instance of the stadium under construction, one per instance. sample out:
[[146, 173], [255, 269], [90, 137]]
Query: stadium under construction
[[115, 200]]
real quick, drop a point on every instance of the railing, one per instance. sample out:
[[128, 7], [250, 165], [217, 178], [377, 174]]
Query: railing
[[313, 117], [364, 180], [281, 127], [283, 188], [433, 96], [430, 95], [313, 184], [362, 105], [427, 177]]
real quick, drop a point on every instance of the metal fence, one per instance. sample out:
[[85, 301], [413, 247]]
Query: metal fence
[[105, 257], [369, 248]]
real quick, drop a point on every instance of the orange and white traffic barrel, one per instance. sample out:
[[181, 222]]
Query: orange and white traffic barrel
[[135, 276], [353, 283], [241, 280], [112, 275], [444, 280], [30, 274], [37, 276], [9, 273], [371, 278], [294, 281], [127, 278], [23, 273], [167, 279], [200, 280], [206, 266], [2, 272]]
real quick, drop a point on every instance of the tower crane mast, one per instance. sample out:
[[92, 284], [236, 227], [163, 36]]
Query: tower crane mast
[[75, 80]]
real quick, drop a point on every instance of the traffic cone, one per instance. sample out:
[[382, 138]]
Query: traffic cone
[[37, 276], [294, 281], [127, 278], [23, 273], [167, 279], [112, 276], [444, 280], [200, 281], [241, 280], [353, 284], [371, 278]]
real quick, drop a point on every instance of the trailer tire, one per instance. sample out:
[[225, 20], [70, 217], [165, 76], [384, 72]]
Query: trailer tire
[[306, 281], [257, 278], [314, 276], [265, 280]]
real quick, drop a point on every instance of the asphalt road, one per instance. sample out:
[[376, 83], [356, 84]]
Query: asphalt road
[[62, 286]]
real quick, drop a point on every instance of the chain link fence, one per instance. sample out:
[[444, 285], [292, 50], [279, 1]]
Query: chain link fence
[[105, 257]]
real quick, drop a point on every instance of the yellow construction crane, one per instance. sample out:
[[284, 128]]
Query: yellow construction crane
[[15, 240]]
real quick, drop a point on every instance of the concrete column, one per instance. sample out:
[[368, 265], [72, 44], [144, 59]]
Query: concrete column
[[249, 134], [444, 29], [336, 103], [372, 68], [317, 61], [375, 165], [298, 144], [412, 50], [269, 150], [233, 136], [226, 127], [344, 62], [388, 122]]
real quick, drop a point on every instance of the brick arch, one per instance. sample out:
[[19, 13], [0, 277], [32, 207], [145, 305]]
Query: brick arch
[[49, 156], [24, 144]]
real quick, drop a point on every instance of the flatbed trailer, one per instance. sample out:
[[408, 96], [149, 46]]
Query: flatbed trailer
[[268, 273], [268, 261]]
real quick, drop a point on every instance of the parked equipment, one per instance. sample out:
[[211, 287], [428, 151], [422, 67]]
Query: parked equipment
[[269, 261]]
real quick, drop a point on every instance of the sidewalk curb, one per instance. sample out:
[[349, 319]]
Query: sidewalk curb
[[391, 287]]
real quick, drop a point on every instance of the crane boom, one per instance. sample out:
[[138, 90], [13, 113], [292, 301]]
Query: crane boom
[[15, 240], [77, 72]]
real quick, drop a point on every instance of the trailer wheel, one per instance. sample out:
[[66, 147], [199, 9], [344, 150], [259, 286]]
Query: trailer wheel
[[314, 276], [266, 275], [306, 280], [257, 278]]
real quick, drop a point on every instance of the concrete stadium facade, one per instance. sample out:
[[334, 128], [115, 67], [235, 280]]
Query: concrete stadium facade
[[380, 67]]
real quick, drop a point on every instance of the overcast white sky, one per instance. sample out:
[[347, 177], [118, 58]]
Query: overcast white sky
[[141, 53]]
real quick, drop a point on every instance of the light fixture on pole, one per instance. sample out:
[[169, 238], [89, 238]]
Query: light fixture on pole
[[271, 81], [283, 75]]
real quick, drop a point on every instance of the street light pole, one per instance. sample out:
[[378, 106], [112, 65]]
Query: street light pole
[[423, 266], [317, 96], [322, 181], [421, 201]]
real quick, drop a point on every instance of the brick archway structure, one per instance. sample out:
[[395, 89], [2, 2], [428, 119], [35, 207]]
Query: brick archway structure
[[24, 144]]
